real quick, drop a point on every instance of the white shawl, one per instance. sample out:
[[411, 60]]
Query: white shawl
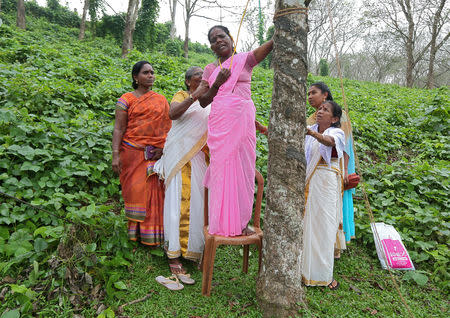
[[184, 140]]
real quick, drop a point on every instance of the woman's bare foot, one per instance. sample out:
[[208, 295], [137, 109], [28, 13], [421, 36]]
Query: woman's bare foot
[[247, 232], [333, 285], [176, 267]]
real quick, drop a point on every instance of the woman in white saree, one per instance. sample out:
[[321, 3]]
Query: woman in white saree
[[183, 166], [324, 146]]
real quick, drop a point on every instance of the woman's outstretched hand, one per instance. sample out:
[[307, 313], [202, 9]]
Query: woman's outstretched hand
[[261, 128], [222, 77]]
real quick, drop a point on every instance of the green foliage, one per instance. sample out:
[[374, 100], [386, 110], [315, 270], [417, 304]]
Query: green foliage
[[323, 67], [174, 47], [56, 119], [54, 12], [112, 25], [144, 36]]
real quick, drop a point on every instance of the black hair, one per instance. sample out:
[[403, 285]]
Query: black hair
[[135, 71], [337, 112], [189, 73], [324, 89], [223, 28]]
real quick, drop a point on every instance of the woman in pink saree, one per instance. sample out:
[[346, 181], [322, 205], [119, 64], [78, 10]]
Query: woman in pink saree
[[230, 177]]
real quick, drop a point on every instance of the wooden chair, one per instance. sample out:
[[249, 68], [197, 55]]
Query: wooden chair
[[213, 241]]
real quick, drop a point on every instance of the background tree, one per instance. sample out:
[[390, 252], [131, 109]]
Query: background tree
[[279, 286], [94, 7], [21, 14], [437, 19], [347, 29], [83, 20], [145, 35], [323, 67], [173, 13], [415, 25], [130, 24]]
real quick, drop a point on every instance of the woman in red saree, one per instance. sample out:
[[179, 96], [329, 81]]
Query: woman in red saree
[[140, 131]]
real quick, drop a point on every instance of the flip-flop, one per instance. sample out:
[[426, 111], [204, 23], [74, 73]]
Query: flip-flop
[[170, 284], [186, 279]]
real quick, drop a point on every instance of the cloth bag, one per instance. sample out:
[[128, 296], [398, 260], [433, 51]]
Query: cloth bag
[[390, 247]]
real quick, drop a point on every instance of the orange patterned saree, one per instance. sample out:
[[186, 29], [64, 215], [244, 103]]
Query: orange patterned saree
[[143, 193]]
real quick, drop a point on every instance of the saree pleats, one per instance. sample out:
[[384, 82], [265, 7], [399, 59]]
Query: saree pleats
[[143, 196], [183, 211], [321, 225]]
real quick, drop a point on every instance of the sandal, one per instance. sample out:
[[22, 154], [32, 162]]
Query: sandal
[[169, 283], [331, 287], [186, 279]]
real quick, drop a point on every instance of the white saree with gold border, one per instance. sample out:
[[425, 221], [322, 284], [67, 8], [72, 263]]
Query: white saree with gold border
[[183, 167], [323, 208]]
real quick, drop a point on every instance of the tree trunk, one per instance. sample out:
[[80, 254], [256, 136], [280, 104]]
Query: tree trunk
[[130, 24], [186, 36], [21, 14], [279, 288], [433, 46], [83, 20], [409, 45], [173, 11]]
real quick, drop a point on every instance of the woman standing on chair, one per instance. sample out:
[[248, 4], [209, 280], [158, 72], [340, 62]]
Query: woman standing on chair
[[230, 177], [324, 147], [317, 94]]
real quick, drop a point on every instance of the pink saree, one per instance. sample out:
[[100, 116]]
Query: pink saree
[[230, 177]]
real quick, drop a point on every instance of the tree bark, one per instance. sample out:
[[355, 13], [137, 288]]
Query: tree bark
[[173, 12], [279, 288], [409, 45], [83, 20], [21, 14], [130, 25], [186, 36]]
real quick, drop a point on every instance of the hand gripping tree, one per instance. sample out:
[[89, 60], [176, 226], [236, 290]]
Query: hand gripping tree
[[279, 286]]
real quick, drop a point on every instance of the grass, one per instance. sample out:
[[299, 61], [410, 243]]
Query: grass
[[365, 291]]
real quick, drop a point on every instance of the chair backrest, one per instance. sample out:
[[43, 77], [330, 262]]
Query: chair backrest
[[259, 195]]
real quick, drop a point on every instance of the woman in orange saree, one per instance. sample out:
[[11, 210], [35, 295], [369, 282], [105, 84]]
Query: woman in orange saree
[[140, 131]]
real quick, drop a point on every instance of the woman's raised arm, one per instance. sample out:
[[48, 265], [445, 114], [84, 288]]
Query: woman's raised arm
[[261, 52]]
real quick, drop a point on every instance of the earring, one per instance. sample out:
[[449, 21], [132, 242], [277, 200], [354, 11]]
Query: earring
[[137, 83]]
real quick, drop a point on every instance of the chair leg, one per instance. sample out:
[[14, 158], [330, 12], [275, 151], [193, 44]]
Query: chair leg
[[208, 266], [245, 259]]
